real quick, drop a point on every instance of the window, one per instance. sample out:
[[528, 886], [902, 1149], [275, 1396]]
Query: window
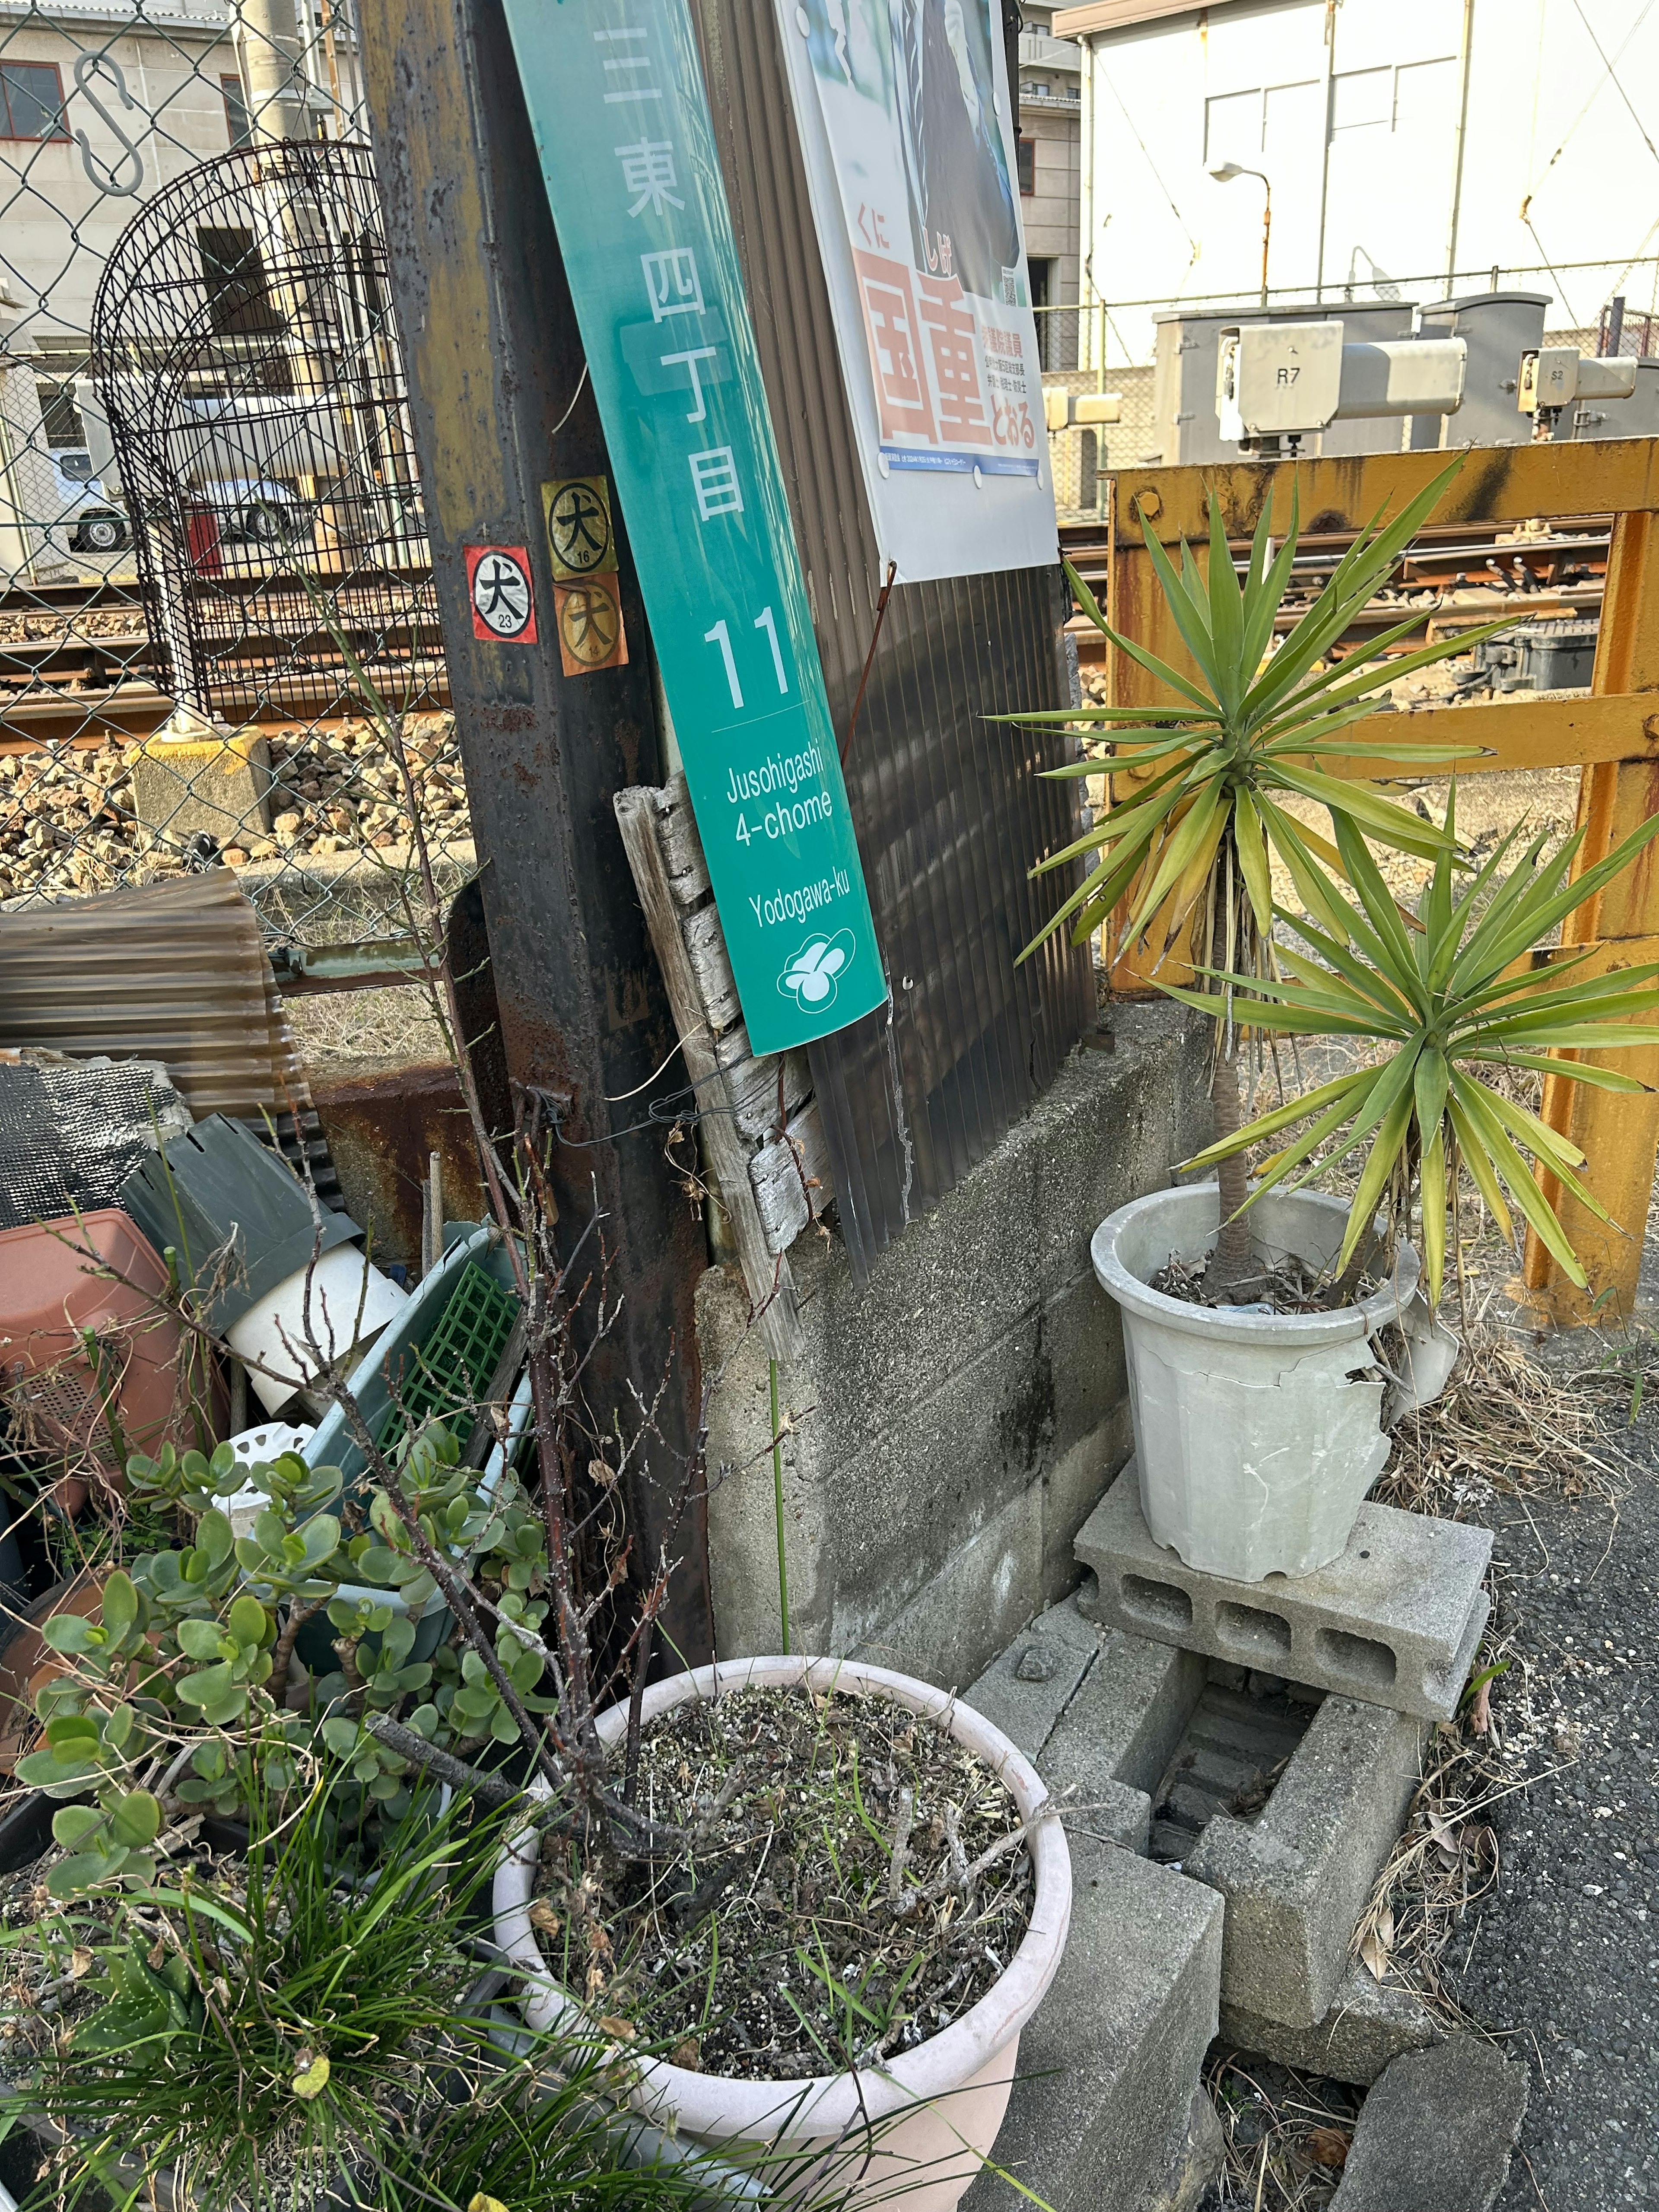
[[1232, 127], [237, 122], [1362, 99], [60, 418], [31, 100], [234, 275], [1025, 161]]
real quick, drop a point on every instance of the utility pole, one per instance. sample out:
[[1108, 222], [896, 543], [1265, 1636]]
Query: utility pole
[[500, 406], [273, 72]]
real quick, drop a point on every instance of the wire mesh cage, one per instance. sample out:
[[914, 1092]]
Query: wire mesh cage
[[246, 365], [207, 477]]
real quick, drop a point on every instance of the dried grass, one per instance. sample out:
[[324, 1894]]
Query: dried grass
[[1505, 1423], [1287, 2134], [1446, 1860]]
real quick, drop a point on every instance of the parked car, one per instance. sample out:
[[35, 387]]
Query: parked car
[[257, 510], [94, 522]]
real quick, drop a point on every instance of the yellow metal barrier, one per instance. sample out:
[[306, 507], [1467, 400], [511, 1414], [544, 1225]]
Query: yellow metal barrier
[[1611, 734]]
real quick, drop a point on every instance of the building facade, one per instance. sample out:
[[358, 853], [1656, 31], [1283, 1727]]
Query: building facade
[[1050, 154], [103, 103], [1411, 148]]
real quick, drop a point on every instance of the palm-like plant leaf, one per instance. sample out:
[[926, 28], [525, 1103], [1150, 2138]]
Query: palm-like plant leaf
[[1438, 1006], [1247, 735]]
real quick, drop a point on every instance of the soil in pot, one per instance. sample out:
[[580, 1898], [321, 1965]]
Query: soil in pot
[[858, 1883], [1287, 1285]]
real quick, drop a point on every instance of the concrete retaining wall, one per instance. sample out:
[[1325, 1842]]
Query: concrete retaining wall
[[958, 1418]]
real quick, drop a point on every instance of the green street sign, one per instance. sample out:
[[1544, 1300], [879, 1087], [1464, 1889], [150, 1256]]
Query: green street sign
[[616, 96]]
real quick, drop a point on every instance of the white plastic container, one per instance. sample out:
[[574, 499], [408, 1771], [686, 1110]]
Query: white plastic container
[[933, 2113], [351, 1302], [1258, 1434], [256, 1448]]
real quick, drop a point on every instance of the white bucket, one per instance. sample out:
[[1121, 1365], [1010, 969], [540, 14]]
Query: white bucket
[[350, 1303], [1258, 1434]]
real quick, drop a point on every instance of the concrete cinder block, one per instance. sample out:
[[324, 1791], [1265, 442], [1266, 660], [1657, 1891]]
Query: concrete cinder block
[[1368, 2026], [1075, 1482], [1437, 2132], [1394, 1621], [1108, 2067], [1196, 2161], [213, 784], [1128, 1714], [1296, 1881], [1026, 1688]]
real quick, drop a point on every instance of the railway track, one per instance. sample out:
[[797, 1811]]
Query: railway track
[[76, 661], [76, 664], [1457, 576]]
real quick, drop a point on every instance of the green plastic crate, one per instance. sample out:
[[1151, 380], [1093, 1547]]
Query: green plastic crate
[[454, 1366]]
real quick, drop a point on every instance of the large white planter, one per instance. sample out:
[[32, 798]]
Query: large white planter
[[1256, 1443], [933, 2111]]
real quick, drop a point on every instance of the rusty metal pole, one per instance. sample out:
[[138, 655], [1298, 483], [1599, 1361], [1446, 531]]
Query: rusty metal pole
[[500, 407]]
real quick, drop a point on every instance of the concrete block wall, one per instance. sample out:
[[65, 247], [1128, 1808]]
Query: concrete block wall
[[956, 1420]]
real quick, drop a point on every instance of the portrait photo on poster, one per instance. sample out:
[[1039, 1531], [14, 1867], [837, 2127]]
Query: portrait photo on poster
[[908, 135]]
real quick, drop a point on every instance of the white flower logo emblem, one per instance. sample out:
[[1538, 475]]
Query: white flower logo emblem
[[810, 978]]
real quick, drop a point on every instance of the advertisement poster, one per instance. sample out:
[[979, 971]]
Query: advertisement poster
[[903, 110], [616, 98]]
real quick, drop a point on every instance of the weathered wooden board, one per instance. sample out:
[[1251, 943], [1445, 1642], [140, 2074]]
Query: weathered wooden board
[[791, 1179], [705, 948], [753, 1084], [682, 847], [765, 1268]]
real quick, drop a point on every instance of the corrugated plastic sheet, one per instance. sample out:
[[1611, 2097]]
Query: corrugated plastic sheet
[[949, 809], [175, 972]]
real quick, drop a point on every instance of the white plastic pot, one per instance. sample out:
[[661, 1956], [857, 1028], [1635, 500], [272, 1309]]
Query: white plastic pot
[[350, 1303], [913, 2132], [1257, 1436]]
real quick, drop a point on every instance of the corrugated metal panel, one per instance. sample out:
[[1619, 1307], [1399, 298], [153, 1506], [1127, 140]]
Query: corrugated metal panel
[[948, 810], [176, 972]]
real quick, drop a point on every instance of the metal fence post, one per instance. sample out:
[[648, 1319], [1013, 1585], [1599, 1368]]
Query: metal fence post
[[499, 406]]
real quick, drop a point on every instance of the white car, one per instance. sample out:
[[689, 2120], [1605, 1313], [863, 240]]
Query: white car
[[94, 522], [257, 510]]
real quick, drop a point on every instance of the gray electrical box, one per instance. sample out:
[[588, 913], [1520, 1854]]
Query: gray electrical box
[[1497, 328], [1635, 417], [1185, 425]]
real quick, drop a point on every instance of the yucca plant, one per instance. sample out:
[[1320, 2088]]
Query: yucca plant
[[1442, 1005], [1256, 729], [1193, 843]]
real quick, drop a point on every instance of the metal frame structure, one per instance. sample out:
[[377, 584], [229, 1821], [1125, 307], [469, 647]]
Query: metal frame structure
[[1611, 734], [251, 371]]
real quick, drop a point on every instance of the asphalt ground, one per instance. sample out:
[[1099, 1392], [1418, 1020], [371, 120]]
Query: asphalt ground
[[1562, 1960]]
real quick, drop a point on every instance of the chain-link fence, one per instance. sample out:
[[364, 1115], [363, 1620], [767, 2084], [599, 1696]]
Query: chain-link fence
[[207, 493]]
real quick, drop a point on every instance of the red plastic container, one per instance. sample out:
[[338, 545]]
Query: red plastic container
[[202, 541], [136, 1383]]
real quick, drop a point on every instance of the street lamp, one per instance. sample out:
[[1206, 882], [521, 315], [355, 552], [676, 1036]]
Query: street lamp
[[1224, 172]]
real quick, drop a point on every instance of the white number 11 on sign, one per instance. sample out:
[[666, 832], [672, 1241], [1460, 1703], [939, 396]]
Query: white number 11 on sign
[[721, 637]]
